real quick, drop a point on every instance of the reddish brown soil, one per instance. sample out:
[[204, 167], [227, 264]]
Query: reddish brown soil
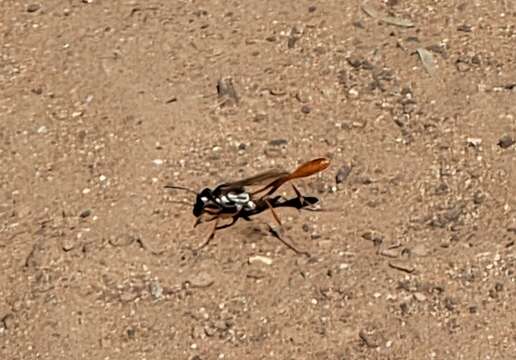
[[105, 102]]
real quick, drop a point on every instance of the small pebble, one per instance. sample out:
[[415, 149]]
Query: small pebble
[[263, 259], [33, 8], [464, 28], [506, 141], [256, 274], [68, 244], [155, 289], [42, 130], [278, 142], [474, 142], [402, 266], [353, 93], [342, 173], [128, 296], [305, 109], [392, 253], [85, 213], [419, 250], [374, 236], [419, 297], [370, 338], [201, 280]]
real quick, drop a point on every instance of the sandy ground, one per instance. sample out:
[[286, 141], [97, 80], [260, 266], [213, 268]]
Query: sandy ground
[[105, 102]]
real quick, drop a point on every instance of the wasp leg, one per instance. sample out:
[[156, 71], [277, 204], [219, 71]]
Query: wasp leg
[[233, 221], [271, 208], [210, 237], [204, 218], [215, 228], [276, 234], [198, 221], [300, 197]]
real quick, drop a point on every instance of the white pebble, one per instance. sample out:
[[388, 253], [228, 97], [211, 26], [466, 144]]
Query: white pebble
[[353, 92], [42, 130], [263, 259], [475, 142], [157, 162]]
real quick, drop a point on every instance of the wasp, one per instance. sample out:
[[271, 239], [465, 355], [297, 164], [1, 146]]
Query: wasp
[[235, 200]]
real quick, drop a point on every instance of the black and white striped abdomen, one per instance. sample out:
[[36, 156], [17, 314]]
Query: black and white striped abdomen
[[241, 200]]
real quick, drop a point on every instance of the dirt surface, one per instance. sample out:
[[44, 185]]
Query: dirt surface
[[105, 102]]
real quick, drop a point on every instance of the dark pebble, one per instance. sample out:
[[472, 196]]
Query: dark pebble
[[506, 141], [85, 213], [342, 173], [464, 28], [260, 117], [493, 294], [402, 266], [33, 8], [404, 307], [370, 338], [479, 197], [305, 109], [131, 332], [510, 86], [359, 24], [450, 304], [373, 236], [312, 8], [355, 61], [278, 142]]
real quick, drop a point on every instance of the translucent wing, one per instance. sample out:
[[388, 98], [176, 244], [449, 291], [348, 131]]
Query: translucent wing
[[304, 170], [259, 179]]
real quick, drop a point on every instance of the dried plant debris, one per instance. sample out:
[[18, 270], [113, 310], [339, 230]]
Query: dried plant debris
[[427, 59], [505, 87], [226, 91], [391, 20], [295, 34]]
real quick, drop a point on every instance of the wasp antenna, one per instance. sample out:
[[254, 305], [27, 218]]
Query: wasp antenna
[[180, 188]]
